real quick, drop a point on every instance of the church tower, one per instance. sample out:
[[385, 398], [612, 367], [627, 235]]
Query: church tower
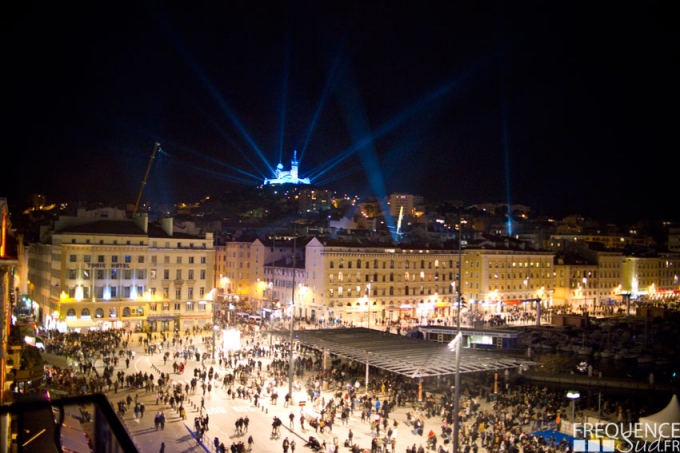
[[294, 167]]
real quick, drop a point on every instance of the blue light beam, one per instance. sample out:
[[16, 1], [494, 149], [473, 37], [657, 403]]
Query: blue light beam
[[203, 78]]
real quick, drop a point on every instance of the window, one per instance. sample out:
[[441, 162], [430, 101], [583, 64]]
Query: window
[[166, 293], [203, 260], [190, 306], [85, 313], [152, 274], [126, 312], [100, 258], [127, 274], [126, 291], [141, 274], [166, 259], [166, 274], [202, 274], [99, 313], [179, 260], [114, 258], [178, 307], [100, 274], [191, 260], [114, 291], [178, 293], [191, 274], [72, 258], [71, 274], [201, 292], [128, 259], [190, 294], [86, 274], [178, 274], [153, 307], [154, 259], [114, 273], [71, 313], [86, 258]]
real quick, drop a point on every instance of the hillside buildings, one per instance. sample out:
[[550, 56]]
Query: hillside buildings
[[99, 269]]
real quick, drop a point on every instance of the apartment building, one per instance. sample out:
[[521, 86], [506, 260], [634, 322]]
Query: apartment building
[[122, 274], [652, 276]]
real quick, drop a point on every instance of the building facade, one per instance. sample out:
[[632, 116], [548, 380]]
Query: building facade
[[655, 276], [122, 273]]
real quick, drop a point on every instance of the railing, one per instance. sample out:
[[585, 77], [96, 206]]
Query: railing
[[37, 425]]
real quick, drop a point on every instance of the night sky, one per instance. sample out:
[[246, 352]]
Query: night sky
[[568, 107]]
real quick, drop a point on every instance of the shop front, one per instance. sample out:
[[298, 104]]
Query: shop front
[[162, 323]]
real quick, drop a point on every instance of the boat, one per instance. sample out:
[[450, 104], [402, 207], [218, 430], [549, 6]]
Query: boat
[[564, 347], [544, 346], [646, 358], [606, 354], [584, 350]]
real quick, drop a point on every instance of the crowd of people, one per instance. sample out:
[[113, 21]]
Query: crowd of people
[[258, 371]]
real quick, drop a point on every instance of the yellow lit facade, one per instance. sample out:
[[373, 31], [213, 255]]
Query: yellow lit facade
[[122, 274]]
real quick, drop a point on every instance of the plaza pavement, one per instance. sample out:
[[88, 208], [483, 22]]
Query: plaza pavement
[[223, 411]]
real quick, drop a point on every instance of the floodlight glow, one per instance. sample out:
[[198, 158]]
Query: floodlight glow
[[231, 340], [573, 394]]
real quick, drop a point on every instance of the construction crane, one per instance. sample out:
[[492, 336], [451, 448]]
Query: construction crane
[[156, 147]]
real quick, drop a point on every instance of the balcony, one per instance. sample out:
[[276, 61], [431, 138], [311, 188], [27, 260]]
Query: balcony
[[78, 423]]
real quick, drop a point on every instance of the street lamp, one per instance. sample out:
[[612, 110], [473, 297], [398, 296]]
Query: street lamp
[[271, 312], [455, 345], [214, 327], [585, 302], [573, 395], [292, 315], [368, 301], [456, 342]]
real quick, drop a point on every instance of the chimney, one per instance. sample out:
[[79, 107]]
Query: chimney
[[142, 221], [166, 224]]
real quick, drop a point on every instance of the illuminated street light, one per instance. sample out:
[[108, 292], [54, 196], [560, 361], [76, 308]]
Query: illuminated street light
[[455, 346], [368, 300], [573, 395]]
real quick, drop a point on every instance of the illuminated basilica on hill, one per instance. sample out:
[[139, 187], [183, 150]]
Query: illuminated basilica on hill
[[287, 177]]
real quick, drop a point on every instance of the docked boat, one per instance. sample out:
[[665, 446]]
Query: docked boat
[[646, 358], [606, 354], [565, 347], [584, 350]]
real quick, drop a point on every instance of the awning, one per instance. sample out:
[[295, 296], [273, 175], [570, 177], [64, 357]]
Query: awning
[[402, 355], [56, 360], [512, 302], [83, 322], [161, 318]]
